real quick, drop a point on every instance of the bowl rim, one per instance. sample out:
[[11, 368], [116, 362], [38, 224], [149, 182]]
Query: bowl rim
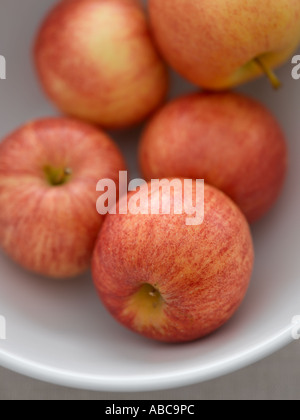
[[148, 383]]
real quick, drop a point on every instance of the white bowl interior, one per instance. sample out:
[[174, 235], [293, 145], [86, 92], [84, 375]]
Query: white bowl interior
[[61, 333]]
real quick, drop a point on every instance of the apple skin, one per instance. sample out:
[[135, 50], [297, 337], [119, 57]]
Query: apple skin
[[96, 60], [51, 230], [201, 273], [229, 140], [212, 43]]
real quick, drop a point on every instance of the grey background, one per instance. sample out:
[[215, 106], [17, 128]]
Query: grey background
[[275, 378]]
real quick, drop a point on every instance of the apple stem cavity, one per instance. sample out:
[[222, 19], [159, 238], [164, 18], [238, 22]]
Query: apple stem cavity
[[275, 82], [57, 176], [154, 293], [150, 296]]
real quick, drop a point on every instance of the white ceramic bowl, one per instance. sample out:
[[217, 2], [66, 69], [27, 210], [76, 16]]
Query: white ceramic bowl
[[61, 333]]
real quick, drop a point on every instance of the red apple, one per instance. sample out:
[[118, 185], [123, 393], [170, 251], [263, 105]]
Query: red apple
[[49, 170], [96, 61], [169, 281], [231, 141], [218, 44]]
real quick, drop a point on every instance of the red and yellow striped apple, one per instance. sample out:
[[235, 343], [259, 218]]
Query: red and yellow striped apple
[[229, 140], [169, 281], [97, 61], [218, 44], [49, 170]]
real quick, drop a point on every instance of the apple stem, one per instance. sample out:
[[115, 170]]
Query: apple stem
[[275, 82], [57, 177], [155, 295], [61, 176], [68, 171]]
